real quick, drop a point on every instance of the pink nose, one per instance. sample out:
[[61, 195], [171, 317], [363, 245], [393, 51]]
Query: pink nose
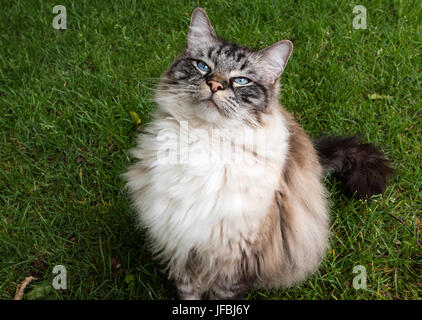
[[215, 85]]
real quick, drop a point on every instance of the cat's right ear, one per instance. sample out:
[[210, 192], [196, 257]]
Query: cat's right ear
[[201, 32], [273, 59]]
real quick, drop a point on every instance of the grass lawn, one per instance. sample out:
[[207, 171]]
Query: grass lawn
[[65, 128]]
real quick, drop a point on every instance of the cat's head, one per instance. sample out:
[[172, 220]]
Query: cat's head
[[222, 82]]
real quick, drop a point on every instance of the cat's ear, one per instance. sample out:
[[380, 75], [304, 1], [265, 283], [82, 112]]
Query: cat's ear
[[201, 32], [273, 59]]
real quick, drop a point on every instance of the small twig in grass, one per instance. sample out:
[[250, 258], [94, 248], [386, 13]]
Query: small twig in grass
[[395, 217], [417, 236], [21, 287], [418, 241]]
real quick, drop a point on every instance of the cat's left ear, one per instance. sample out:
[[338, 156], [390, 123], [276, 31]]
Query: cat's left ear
[[201, 32], [273, 59]]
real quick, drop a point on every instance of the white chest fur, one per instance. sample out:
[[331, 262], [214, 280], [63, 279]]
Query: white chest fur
[[192, 193]]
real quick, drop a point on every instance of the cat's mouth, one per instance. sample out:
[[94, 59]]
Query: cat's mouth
[[209, 102]]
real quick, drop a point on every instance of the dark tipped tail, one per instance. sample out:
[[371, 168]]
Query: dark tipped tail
[[362, 166]]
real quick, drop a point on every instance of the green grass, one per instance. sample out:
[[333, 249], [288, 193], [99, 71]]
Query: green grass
[[65, 128]]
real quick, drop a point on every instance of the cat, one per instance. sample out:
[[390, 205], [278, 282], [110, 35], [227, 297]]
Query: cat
[[260, 220]]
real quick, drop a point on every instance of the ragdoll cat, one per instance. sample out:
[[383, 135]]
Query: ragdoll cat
[[257, 218]]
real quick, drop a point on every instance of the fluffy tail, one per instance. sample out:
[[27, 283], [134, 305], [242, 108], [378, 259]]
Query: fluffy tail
[[362, 166]]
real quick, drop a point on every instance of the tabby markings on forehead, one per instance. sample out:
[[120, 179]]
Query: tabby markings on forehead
[[230, 56]]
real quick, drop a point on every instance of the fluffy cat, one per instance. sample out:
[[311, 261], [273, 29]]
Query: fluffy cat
[[259, 218]]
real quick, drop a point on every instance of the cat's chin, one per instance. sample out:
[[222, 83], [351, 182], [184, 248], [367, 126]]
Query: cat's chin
[[207, 110], [208, 103]]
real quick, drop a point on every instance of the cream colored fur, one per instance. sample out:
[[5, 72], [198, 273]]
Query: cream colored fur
[[224, 212]]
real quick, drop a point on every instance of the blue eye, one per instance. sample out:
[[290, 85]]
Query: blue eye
[[202, 66], [241, 80]]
